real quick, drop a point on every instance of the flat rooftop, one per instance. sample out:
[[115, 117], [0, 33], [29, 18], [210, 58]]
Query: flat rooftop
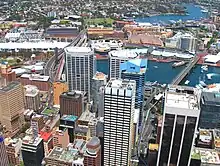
[[121, 84], [74, 94], [211, 98], [78, 50], [123, 54], [208, 156], [10, 86], [182, 97], [86, 116], [71, 118], [35, 77], [99, 76], [49, 112]]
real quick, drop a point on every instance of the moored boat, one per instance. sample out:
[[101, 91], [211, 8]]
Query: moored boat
[[177, 64]]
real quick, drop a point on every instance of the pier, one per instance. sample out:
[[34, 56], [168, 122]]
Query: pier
[[185, 71]]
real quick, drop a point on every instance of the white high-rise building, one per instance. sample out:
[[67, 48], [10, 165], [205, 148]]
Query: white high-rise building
[[80, 68], [118, 57], [180, 120], [119, 100]]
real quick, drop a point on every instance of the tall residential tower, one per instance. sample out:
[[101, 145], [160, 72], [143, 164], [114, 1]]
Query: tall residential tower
[[80, 68]]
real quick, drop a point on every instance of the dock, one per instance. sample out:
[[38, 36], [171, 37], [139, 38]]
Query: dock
[[185, 71]]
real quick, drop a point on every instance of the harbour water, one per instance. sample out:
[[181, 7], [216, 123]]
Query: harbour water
[[194, 13], [164, 73]]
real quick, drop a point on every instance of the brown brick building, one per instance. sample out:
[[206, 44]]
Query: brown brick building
[[41, 82], [73, 103], [92, 155]]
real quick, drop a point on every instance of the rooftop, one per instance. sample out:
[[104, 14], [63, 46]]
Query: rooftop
[[86, 116], [121, 84], [211, 98], [182, 97], [10, 86], [49, 112], [29, 140], [71, 118], [74, 94], [45, 135], [31, 90], [67, 155], [134, 66], [123, 54], [35, 77], [78, 50], [206, 155], [100, 76]]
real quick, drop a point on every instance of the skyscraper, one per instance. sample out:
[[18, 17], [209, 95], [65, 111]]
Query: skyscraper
[[12, 107], [80, 68], [119, 100], [99, 80], [180, 120], [135, 69], [3, 154], [116, 58]]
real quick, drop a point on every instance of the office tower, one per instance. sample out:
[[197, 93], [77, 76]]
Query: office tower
[[32, 98], [116, 58], [13, 147], [210, 114], [61, 138], [119, 103], [180, 121], [92, 155], [68, 121], [98, 82], [58, 89], [73, 103], [12, 107], [135, 69], [7, 73], [80, 68], [3, 153], [32, 151]]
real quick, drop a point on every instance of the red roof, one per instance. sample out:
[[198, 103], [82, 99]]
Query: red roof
[[45, 135]]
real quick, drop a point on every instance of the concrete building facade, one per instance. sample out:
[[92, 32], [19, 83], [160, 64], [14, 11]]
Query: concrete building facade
[[80, 68], [119, 102]]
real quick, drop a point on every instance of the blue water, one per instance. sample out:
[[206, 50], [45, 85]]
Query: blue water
[[164, 73], [193, 11]]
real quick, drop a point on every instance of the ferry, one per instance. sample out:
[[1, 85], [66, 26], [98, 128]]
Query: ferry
[[177, 64]]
